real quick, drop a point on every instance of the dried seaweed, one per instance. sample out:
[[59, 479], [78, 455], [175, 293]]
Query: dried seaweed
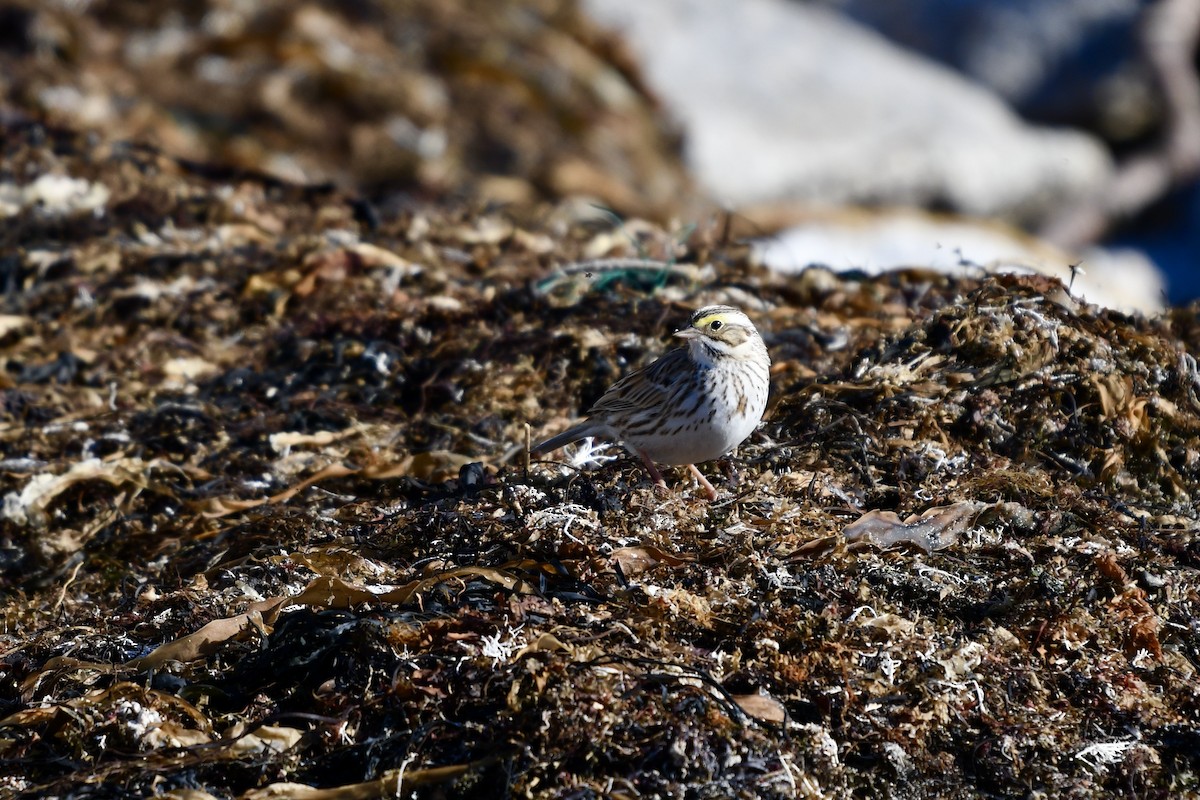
[[266, 530]]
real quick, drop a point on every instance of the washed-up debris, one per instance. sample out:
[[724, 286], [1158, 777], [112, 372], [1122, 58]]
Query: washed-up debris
[[935, 529], [267, 530]]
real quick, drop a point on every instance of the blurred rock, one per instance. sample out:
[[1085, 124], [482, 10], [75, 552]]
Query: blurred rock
[[788, 101], [871, 243]]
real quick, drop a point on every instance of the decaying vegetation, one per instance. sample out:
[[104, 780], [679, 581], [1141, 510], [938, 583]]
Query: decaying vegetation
[[267, 524]]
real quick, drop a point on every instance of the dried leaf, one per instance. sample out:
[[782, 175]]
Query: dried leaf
[[762, 707], [273, 738], [638, 559], [13, 322], [188, 794], [394, 783], [936, 529], [892, 623], [171, 734], [438, 465], [203, 642], [283, 441], [188, 368], [29, 505], [220, 506], [547, 642]]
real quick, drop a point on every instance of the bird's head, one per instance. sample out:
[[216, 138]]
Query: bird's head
[[719, 331]]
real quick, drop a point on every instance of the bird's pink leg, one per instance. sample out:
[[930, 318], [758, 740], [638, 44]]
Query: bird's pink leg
[[653, 470], [708, 487]]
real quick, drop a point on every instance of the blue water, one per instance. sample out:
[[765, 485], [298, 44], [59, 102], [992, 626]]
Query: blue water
[[1172, 241]]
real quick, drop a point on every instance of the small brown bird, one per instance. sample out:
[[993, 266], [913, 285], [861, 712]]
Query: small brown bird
[[693, 404]]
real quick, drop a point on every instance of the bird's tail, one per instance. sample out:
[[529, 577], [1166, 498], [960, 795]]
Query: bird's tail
[[569, 436]]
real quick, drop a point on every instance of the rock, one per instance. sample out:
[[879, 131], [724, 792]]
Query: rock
[[1113, 277], [788, 101]]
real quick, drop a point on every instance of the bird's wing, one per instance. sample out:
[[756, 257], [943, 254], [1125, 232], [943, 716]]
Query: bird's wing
[[648, 387]]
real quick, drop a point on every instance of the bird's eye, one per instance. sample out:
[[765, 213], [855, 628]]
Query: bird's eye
[[715, 325]]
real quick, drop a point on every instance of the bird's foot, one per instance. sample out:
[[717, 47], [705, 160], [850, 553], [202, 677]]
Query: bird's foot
[[704, 484]]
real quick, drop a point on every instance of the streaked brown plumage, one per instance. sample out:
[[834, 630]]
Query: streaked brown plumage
[[693, 404]]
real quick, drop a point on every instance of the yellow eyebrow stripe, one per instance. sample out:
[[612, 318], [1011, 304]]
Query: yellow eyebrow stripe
[[707, 318]]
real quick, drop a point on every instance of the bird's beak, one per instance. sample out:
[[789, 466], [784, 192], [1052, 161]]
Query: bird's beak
[[687, 333]]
